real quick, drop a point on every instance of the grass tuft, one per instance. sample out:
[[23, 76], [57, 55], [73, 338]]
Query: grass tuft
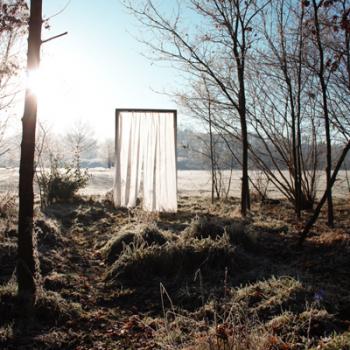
[[147, 234], [50, 308], [48, 233], [203, 227], [270, 226], [310, 324], [7, 302], [140, 262], [335, 342], [269, 297]]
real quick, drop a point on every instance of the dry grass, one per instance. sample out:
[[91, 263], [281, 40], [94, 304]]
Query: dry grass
[[203, 227], [270, 226], [8, 207], [201, 279], [48, 233], [232, 324], [140, 262], [335, 342], [270, 297], [131, 234], [50, 308]]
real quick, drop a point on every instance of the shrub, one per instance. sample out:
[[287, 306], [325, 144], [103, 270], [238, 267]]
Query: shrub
[[61, 185], [8, 206]]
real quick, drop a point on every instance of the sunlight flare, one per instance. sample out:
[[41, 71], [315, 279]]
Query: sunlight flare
[[34, 81]]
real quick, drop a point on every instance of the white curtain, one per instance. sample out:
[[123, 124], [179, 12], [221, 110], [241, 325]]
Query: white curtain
[[146, 153]]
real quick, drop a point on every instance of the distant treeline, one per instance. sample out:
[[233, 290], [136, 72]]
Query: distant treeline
[[193, 152]]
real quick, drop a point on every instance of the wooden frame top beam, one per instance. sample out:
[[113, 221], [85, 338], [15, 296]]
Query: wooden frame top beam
[[146, 110]]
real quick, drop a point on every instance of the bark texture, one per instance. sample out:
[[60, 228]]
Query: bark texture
[[26, 269]]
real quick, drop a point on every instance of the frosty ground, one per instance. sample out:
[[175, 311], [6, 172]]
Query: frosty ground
[[200, 279], [190, 182]]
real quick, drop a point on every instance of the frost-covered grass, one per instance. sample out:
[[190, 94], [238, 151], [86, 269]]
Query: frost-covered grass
[[190, 182], [199, 279]]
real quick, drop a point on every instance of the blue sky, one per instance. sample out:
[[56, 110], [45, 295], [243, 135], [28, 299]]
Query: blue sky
[[97, 67]]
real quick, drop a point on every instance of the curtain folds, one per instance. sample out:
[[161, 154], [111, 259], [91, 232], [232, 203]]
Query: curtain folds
[[146, 157]]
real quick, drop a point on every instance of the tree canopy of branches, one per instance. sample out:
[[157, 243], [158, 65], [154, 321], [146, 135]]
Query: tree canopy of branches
[[13, 19], [277, 76], [218, 50], [80, 140]]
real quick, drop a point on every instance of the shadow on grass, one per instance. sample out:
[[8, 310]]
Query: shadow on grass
[[211, 262]]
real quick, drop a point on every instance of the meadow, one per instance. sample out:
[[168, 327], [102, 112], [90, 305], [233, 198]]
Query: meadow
[[190, 182]]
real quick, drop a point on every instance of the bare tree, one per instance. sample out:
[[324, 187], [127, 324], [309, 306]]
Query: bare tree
[[26, 264], [26, 268], [221, 145], [288, 94], [338, 45], [317, 211], [106, 152], [283, 45], [80, 140], [227, 33], [324, 89], [282, 112]]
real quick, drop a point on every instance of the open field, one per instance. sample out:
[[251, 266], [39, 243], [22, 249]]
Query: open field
[[190, 182]]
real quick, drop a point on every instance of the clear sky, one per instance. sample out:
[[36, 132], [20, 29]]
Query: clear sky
[[97, 67]]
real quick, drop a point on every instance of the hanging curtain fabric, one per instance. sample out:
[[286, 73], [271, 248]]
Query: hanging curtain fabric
[[146, 154]]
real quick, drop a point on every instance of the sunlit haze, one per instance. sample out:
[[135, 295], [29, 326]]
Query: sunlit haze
[[96, 67]]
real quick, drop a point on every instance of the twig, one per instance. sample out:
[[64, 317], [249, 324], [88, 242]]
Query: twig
[[53, 37]]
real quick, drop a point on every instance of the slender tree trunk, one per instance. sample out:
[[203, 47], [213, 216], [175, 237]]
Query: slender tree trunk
[[323, 84], [314, 217], [330, 216], [245, 200], [26, 268], [211, 151], [285, 69], [297, 187], [298, 111]]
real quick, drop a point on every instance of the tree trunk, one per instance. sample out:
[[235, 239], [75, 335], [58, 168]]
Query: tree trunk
[[296, 161], [287, 78], [211, 152], [245, 200], [26, 268], [317, 212], [323, 85]]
